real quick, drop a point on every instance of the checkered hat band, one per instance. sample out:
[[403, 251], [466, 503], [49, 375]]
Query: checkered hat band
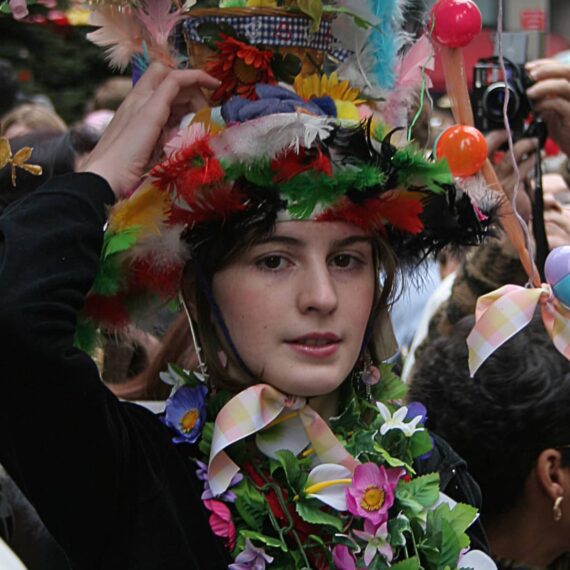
[[279, 31]]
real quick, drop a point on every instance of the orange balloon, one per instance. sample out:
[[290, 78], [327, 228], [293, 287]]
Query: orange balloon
[[465, 149]]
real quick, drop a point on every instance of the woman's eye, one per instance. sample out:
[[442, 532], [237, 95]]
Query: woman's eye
[[345, 260], [272, 262]]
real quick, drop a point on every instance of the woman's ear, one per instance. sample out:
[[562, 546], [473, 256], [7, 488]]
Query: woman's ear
[[552, 477]]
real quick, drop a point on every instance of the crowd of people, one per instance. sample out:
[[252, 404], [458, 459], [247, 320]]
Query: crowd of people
[[90, 478]]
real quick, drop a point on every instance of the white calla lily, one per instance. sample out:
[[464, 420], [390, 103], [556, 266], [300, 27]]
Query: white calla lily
[[327, 482]]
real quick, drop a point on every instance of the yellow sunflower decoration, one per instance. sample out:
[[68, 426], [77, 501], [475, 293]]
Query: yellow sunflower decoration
[[345, 97]]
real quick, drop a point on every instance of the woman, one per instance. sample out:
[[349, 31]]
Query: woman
[[510, 424], [293, 305]]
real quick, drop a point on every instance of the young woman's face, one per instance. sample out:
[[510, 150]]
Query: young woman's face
[[297, 304]]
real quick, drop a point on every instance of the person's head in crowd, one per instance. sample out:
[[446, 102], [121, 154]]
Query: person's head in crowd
[[57, 153], [8, 86], [30, 117], [111, 94], [511, 423]]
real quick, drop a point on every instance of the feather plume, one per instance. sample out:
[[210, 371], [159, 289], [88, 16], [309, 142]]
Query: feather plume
[[119, 32], [165, 249], [372, 64], [159, 20], [147, 209], [266, 137]]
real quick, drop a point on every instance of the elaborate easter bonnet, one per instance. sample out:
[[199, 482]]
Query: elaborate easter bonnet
[[285, 140]]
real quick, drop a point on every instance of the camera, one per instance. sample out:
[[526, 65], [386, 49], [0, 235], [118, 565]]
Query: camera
[[488, 99]]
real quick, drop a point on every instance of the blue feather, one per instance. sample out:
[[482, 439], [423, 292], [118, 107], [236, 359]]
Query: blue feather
[[384, 42]]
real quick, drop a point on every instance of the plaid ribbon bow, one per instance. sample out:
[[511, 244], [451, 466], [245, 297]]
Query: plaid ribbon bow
[[254, 409], [503, 313]]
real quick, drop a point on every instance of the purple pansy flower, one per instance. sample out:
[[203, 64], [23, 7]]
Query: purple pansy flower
[[202, 474], [416, 409], [252, 558], [343, 558], [186, 413], [372, 492]]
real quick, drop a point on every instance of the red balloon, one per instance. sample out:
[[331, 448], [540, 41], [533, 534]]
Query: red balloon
[[465, 149], [454, 23]]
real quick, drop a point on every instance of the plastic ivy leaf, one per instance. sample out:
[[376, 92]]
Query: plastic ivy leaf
[[420, 443], [290, 465], [348, 419], [390, 386], [250, 504], [392, 461], [396, 529], [267, 540], [314, 9], [424, 490], [408, 564], [310, 512]]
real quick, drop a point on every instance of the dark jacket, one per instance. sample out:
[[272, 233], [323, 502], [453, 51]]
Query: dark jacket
[[103, 475]]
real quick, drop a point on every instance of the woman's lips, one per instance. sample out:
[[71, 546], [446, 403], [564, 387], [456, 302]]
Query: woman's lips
[[316, 345]]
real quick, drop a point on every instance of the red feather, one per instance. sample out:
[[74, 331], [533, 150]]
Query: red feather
[[400, 210], [110, 311], [292, 163], [164, 281]]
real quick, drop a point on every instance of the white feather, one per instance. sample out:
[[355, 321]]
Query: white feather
[[165, 250], [266, 137]]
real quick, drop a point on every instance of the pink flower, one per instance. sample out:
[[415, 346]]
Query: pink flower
[[372, 492], [376, 542], [221, 521], [19, 9], [343, 558]]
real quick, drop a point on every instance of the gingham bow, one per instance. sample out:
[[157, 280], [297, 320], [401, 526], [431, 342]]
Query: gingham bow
[[254, 409], [503, 313]]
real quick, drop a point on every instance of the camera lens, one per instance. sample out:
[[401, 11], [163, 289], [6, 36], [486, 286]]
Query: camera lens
[[494, 99]]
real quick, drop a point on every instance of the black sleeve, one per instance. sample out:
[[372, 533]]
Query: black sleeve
[[58, 424]]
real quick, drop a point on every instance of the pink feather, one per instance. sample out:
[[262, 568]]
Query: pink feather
[[419, 57], [159, 20], [119, 32]]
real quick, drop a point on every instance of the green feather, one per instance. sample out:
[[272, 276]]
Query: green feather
[[414, 169], [109, 277], [87, 337], [116, 243]]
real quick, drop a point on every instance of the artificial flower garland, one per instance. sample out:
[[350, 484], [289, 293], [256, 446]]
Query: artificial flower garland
[[285, 511]]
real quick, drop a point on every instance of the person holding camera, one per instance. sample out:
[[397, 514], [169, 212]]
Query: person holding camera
[[550, 94]]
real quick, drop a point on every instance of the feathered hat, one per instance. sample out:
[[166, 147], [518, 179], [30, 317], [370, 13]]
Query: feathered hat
[[283, 139]]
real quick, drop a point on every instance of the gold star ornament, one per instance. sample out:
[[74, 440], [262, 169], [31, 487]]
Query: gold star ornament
[[17, 160]]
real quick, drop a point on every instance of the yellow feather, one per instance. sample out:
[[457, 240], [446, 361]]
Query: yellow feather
[[147, 208]]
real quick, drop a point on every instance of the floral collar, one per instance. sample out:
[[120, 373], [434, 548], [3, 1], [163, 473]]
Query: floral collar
[[287, 510]]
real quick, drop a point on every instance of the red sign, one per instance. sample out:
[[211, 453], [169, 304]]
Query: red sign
[[533, 20]]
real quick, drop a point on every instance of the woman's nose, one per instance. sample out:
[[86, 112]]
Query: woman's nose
[[318, 291]]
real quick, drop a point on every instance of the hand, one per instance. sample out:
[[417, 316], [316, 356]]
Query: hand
[[156, 103], [551, 97], [525, 156]]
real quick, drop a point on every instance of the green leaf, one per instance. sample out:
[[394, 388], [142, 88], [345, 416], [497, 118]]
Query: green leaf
[[408, 564], [286, 68], [250, 504], [424, 489], [311, 513], [390, 386], [420, 443], [348, 419], [314, 9], [290, 465], [392, 461], [396, 529], [267, 540], [115, 243], [206, 439]]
